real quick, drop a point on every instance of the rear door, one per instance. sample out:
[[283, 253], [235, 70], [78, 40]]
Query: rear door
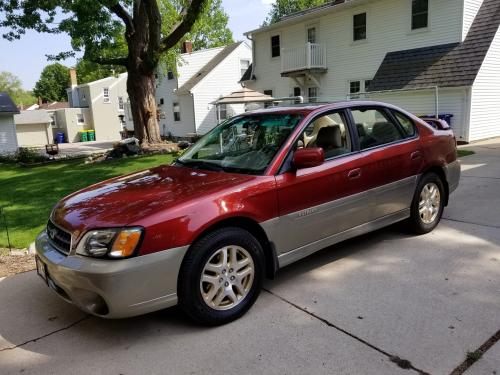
[[392, 155], [316, 203]]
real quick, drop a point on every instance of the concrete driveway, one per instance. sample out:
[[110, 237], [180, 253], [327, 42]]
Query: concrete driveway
[[385, 303]]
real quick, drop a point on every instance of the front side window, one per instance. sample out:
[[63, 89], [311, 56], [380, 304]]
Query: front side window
[[275, 46], [406, 123], [359, 26], [374, 127], [105, 95], [330, 132], [177, 112], [419, 14], [244, 144]]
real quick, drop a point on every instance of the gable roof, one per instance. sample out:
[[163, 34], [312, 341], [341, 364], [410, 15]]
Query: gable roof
[[207, 68], [445, 65], [39, 116], [7, 105], [54, 105]]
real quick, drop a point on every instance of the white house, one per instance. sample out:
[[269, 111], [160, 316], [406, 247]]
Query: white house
[[426, 56], [8, 139], [186, 100]]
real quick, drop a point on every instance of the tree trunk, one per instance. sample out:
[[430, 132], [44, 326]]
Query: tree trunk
[[141, 91]]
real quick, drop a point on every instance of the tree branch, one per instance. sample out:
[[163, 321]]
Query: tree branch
[[189, 16], [123, 61], [122, 13]]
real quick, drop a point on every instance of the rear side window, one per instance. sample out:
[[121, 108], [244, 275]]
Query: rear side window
[[406, 123], [374, 128]]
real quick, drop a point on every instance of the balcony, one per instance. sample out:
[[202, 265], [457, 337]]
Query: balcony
[[309, 58]]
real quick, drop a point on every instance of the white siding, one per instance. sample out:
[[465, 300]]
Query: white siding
[[388, 29], [221, 81], [29, 135], [422, 103], [471, 7], [485, 107], [190, 63], [8, 139]]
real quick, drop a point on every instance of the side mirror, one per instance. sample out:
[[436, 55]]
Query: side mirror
[[308, 157]]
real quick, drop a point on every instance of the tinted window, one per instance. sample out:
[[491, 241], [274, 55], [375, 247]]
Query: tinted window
[[275, 46], [406, 123], [374, 128], [329, 132]]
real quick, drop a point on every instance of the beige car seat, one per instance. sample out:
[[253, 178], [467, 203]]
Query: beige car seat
[[322, 122]]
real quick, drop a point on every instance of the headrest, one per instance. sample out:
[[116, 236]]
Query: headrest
[[329, 137], [385, 132], [361, 130]]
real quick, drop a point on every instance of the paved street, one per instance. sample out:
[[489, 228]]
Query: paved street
[[384, 303]]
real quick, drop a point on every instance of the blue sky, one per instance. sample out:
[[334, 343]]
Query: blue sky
[[26, 57]]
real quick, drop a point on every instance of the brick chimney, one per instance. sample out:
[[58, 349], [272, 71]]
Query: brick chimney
[[187, 47], [72, 77]]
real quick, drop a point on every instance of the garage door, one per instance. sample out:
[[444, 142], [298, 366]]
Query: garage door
[[32, 135]]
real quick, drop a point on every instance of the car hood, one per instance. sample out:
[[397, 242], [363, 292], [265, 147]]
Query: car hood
[[125, 200]]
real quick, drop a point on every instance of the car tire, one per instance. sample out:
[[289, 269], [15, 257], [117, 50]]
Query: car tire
[[428, 204], [221, 276]]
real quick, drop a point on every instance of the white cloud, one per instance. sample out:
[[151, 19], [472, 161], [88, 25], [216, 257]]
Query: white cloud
[[268, 2]]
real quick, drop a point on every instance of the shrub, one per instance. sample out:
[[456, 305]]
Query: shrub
[[29, 156]]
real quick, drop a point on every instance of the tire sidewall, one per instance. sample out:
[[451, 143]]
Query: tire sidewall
[[190, 297]]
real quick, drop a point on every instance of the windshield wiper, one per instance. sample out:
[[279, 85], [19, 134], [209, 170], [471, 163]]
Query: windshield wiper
[[200, 164]]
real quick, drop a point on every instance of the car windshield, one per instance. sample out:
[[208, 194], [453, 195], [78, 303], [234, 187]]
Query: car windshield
[[243, 144]]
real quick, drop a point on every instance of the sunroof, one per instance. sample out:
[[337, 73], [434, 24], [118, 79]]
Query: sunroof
[[6, 103]]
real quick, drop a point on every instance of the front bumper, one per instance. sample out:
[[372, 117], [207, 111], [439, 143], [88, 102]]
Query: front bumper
[[113, 288]]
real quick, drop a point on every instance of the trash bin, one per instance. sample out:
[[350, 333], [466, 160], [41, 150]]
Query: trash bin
[[83, 136], [60, 137], [91, 135]]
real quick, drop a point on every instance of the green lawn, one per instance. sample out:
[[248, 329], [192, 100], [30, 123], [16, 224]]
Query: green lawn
[[28, 194], [462, 153]]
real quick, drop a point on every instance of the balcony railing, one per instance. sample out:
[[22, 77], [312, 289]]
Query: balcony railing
[[309, 56]]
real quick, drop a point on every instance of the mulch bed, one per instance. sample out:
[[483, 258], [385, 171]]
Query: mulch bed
[[17, 262]]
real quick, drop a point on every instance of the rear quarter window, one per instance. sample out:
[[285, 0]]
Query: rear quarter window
[[406, 123]]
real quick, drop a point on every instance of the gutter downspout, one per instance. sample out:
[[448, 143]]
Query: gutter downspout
[[253, 55]]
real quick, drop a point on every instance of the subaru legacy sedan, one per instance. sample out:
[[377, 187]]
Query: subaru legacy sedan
[[258, 192]]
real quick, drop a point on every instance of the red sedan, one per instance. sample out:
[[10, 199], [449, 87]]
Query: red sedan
[[258, 192]]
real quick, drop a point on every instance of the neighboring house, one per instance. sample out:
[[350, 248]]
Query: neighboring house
[[97, 105], [8, 139], [422, 55], [186, 100], [33, 128]]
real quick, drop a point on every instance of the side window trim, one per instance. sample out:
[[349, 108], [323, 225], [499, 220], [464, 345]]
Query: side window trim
[[393, 112]]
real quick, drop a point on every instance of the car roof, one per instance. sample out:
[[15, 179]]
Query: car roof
[[307, 108]]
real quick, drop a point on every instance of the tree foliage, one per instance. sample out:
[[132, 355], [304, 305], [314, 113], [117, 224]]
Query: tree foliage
[[53, 82], [283, 8], [13, 86]]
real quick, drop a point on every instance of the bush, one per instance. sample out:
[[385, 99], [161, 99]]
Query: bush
[[28, 155]]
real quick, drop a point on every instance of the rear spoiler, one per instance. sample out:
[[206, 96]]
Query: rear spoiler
[[436, 123]]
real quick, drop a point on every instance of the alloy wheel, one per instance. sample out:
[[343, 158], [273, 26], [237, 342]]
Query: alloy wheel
[[429, 203]]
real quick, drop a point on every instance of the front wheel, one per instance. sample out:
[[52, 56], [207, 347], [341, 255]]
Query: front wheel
[[221, 276], [428, 204]]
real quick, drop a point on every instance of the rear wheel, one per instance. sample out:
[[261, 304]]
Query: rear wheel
[[428, 204], [221, 276]]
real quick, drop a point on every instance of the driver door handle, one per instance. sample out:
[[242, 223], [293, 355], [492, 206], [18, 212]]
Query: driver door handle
[[415, 155], [354, 174]]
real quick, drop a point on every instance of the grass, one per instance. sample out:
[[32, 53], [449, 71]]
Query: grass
[[28, 194], [462, 153]]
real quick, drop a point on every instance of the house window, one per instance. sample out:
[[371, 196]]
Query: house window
[[297, 92], [311, 35], [162, 101], [244, 64], [359, 26], [80, 119], [419, 14], [222, 112], [270, 93], [354, 89], [105, 95], [275, 46], [177, 112], [312, 93], [53, 120], [368, 82], [120, 103], [170, 75]]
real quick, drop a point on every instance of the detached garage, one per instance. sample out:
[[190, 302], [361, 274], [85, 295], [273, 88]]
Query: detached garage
[[8, 140], [33, 128]]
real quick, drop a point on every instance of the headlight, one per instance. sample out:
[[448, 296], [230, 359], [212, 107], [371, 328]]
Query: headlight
[[114, 243]]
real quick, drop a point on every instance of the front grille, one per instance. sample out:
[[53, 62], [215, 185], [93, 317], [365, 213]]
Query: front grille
[[59, 238]]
